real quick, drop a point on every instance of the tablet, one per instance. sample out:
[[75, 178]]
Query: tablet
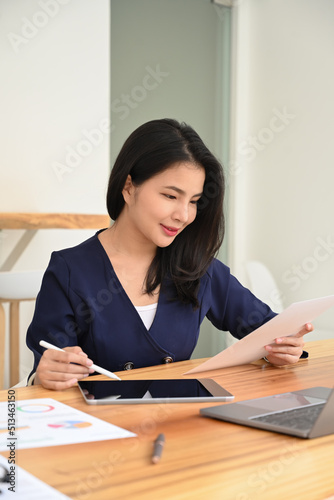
[[107, 392]]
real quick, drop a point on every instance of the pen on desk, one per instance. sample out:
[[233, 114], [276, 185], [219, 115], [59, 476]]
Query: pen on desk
[[158, 447], [98, 369]]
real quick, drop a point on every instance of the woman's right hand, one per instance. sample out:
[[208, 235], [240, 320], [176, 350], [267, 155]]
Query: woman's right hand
[[60, 370]]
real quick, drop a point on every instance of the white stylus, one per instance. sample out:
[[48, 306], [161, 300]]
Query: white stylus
[[95, 367]]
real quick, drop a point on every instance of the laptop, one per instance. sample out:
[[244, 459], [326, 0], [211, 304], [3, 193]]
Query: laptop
[[308, 413]]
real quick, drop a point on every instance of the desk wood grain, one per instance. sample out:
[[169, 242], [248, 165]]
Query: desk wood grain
[[203, 458]]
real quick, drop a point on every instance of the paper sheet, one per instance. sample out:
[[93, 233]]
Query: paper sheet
[[47, 422], [251, 347], [25, 486]]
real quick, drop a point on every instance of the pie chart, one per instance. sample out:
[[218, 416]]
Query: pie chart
[[70, 424]]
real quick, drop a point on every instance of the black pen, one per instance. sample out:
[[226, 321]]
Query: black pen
[[158, 447]]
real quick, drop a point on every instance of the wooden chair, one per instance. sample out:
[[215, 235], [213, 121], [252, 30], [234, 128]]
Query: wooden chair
[[16, 287]]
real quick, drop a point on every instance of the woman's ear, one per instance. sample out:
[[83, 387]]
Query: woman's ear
[[128, 189]]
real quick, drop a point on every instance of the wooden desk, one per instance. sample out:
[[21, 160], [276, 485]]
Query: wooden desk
[[203, 458]]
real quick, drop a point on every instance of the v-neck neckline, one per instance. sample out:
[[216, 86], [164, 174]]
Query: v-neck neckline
[[119, 284]]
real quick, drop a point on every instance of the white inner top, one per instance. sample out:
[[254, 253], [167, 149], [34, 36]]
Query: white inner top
[[147, 314]]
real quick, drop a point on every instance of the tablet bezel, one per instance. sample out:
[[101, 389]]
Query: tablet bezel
[[219, 394]]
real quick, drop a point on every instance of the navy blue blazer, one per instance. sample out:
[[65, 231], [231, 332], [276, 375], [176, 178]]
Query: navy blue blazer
[[82, 302]]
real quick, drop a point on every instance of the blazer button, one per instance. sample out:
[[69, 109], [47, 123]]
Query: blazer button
[[128, 366], [167, 359]]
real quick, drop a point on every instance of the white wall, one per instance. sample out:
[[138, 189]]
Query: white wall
[[283, 156], [55, 85]]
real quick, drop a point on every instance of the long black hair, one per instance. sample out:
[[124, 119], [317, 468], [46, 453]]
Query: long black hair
[[149, 150]]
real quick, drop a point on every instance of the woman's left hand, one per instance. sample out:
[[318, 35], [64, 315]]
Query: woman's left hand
[[287, 350]]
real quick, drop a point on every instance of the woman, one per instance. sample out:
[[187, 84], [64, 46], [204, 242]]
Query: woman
[[135, 294]]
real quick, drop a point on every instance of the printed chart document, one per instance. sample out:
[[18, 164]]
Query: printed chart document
[[25, 486], [47, 422], [251, 348]]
